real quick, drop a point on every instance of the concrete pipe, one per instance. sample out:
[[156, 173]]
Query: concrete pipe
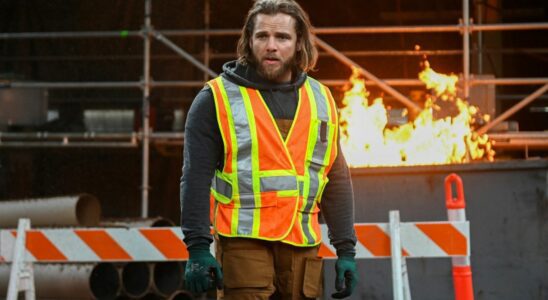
[[69, 281], [136, 279], [78, 210], [167, 277], [181, 295], [137, 222]]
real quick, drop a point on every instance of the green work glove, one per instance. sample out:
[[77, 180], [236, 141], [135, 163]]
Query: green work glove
[[347, 277], [202, 271]]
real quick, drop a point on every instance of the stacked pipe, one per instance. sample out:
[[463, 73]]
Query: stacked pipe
[[105, 281], [70, 281], [77, 210], [134, 280]]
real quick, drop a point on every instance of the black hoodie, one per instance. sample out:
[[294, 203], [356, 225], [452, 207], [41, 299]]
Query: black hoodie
[[203, 153]]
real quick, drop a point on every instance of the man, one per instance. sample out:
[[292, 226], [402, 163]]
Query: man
[[261, 142]]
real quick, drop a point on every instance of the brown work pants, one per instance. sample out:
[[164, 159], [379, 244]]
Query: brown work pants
[[256, 269]]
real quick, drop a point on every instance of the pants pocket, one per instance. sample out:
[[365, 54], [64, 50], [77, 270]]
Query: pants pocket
[[247, 269], [313, 274]]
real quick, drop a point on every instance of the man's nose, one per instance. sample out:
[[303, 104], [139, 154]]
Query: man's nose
[[271, 44]]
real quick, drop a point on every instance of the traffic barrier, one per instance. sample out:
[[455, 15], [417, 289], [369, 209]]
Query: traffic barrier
[[419, 239], [416, 239]]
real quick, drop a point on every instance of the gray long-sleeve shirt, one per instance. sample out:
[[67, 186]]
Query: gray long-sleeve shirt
[[203, 153]]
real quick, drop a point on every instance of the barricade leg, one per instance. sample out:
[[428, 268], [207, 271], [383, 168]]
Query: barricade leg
[[21, 275], [400, 278]]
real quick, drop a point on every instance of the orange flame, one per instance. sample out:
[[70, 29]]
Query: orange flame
[[366, 140]]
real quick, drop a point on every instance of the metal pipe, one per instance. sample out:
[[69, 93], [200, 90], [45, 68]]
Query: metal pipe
[[529, 135], [514, 109], [507, 27], [390, 82], [181, 295], [84, 139], [325, 30], [58, 85], [146, 110], [368, 53], [167, 277], [206, 37], [359, 53], [194, 84], [522, 144], [509, 81], [465, 49], [87, 135], [70, 34], [167, 83], [410, 104], [70, 281], [67, 145], [136, 279], [79, 210], [479, 17], [319, 30], [183, 53]]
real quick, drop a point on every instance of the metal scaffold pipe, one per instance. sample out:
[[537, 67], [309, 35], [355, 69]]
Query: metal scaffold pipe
[[465, 48], [347, 61], [183, 54], [78, 210], [69, 85], [70, 34], [233, 31], [146, 110], [509, 81], [70, 281], [514, 109]]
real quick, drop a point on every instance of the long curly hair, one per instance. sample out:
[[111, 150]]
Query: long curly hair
[[306, 56]]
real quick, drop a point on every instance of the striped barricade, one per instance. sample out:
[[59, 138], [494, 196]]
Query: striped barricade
[[423, 239]]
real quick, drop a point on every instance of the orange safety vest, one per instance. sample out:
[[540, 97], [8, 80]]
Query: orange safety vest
[[269, 188]]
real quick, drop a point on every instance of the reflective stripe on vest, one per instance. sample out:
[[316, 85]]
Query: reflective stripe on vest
[[270, 188]]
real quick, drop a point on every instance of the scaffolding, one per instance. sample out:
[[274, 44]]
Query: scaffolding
[[465, 27]]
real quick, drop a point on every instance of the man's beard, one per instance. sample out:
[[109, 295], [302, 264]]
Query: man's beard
[[274, 75]]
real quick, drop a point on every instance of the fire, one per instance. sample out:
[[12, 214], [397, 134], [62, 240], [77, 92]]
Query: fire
[[367, 141]]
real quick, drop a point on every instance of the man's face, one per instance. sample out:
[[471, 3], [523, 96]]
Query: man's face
[[274, 43]]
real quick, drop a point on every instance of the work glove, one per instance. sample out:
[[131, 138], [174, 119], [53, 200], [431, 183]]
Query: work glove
[[347, 277], [202, 271]]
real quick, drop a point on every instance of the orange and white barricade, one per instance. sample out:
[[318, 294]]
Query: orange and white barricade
[[419, 240], [375, 240], [97, 245]]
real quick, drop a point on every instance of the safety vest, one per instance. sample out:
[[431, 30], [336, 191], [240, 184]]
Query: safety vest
[[269, 188]]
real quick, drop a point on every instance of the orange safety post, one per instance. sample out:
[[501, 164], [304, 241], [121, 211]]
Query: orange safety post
[[462, 271]]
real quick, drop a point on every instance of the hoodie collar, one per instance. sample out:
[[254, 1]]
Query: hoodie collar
[[246, 75]]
